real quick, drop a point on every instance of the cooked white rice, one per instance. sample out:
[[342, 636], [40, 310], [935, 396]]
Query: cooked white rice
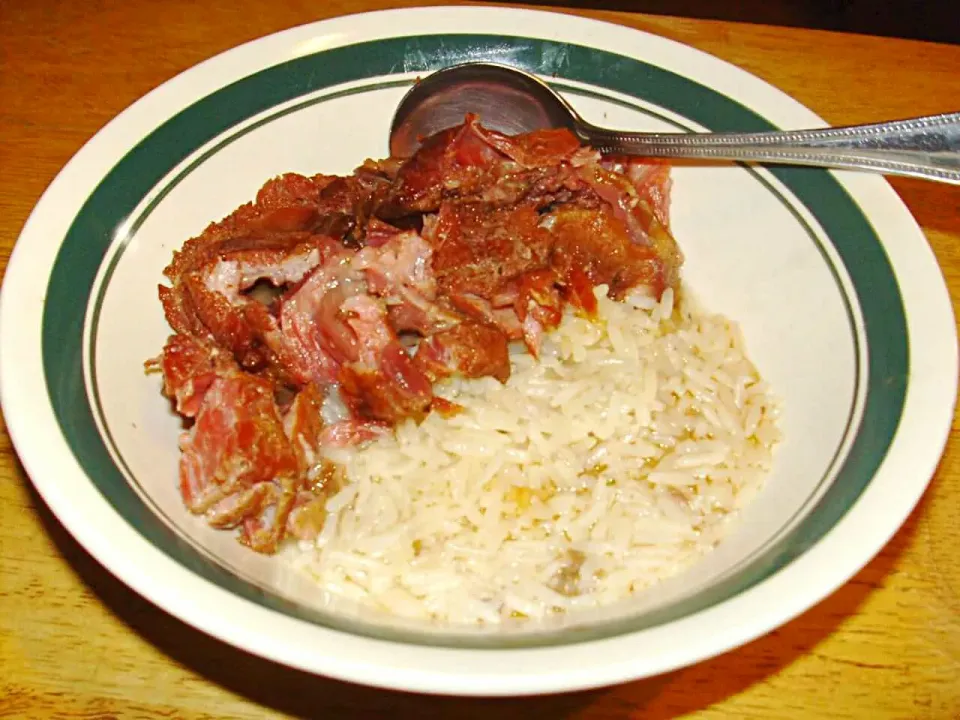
[[616, 460]]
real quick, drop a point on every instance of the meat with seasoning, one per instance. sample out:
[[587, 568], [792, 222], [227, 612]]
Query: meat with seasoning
[[372, 287]]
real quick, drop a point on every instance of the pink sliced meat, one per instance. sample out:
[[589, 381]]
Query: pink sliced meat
[[399, 261], [233, 452], [379, 232], [382, 383], [315, 337], [341, 334], [399, 269]]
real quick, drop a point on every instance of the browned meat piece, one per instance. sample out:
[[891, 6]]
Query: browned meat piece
[[472, 163], [537, 149], [210, 299], [650, 178], [286, 204], [190, 366], [414, 315], [598, 244], [269, 240], [538, 170], [291, 190], [348, 202], [495, 267], [458, 160], [637, 201], [470, 349], [387, 168], [578, 290], [477, 252], [274, 239], [538, 305]]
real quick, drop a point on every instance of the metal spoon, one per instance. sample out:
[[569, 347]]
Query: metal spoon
[[513, 101]]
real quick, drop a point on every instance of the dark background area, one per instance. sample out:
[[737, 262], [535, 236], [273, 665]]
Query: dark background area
[[933, 20]]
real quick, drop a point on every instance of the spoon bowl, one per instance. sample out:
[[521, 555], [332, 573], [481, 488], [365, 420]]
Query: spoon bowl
[[513, 101], [506, 99]]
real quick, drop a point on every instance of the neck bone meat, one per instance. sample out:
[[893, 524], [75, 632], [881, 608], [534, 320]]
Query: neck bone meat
[[362, 291]]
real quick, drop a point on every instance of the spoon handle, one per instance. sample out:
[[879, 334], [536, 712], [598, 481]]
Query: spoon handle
[[926, 147]]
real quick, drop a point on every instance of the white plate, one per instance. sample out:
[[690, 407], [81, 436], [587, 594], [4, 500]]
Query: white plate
[[842, 304]]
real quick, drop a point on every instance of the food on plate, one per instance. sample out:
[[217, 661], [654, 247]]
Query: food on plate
[[467, 382]]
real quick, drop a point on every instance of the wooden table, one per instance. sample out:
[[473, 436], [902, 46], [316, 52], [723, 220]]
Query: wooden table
[[74, 642]]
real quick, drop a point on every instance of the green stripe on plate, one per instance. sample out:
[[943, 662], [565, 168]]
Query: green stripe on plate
[[122, 189]]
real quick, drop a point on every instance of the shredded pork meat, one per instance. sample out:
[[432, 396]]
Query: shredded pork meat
[[379, 284]]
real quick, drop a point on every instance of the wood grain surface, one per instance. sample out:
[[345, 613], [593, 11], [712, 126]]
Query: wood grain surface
[[76, 643]]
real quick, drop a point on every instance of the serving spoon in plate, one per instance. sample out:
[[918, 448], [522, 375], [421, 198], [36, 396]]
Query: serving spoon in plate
[[513, 101]]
